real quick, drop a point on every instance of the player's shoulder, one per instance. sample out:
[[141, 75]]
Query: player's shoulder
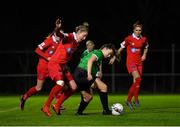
[[97, 52], [128, 37], [144, 38]]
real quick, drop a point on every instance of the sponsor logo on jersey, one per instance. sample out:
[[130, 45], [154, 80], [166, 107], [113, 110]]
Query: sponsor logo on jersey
[[133, 50], [69, 50], [50, 52]]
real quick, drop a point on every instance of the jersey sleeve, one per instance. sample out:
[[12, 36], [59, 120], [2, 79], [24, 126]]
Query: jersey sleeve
[[61, 34], [99, 55], [125, 43], [41, 47]]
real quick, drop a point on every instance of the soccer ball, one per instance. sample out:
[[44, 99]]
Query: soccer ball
[[117, 109]]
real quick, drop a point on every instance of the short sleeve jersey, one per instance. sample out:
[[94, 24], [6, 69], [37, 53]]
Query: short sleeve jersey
[[95, 67]]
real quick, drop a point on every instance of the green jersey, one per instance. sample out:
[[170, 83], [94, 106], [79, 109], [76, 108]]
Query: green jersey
[[95, 67], [85, 53]]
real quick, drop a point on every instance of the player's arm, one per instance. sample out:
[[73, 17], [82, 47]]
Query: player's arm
[[58, 30], [116, 56], [89, 67], [100, 71], [122, 47], [41, 47], [145, 53], [119, 51]]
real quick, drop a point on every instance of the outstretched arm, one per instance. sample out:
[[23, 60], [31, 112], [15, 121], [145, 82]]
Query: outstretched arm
[[89, 68], [117, 56], [144, 54]]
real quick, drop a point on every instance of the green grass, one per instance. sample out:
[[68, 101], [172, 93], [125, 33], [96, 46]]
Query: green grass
[[159, 110]]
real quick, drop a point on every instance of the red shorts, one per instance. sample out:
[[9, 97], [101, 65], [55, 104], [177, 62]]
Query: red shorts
[[42, 71], [134, 67], [59, 72]]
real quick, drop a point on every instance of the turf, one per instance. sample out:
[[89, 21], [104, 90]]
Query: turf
[[155, 110]]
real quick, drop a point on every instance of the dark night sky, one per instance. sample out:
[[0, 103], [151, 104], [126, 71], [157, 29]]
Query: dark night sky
[[25, 24]]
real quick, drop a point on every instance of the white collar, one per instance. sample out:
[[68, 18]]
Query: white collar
[[134, 36], [75, 36]]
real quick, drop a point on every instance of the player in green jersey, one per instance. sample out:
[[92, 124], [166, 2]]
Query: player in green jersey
[[86, 74]]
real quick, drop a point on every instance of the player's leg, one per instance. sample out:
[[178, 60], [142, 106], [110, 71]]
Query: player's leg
[[56, 73], [33, 90], [137, 82], [67, 92], [132, 69], [60, 94], [135, 87], [84, 85], [103, 96], [42, 74], [57, 88], [86, 98], [94, 86], [64, 96]]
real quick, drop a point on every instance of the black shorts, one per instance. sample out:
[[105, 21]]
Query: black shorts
[[80, 77]]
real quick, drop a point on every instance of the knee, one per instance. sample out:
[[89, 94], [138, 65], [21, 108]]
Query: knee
[[73, 85], [38, 88], [138, 80], [87, 97], [60, 82], [74, 88], [104, 88]]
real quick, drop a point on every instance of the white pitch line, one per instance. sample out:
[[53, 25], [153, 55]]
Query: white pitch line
[[8, 110]]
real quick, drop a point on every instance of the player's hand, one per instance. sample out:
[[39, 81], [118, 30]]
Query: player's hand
[[111, 61], [143, 58], [118, 56], [58, 23], [89, 77]]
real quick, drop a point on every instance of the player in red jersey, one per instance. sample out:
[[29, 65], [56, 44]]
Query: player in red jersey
[[134, 44], [58, 68], [45, 51]]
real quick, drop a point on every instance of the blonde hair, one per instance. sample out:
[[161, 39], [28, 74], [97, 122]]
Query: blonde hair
[[89, 42], [82, 28], [137, 24]]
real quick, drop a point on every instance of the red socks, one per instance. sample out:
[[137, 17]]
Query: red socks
[[65, 95], [30, 92], [131, 93], [53, 93], [134, 90]]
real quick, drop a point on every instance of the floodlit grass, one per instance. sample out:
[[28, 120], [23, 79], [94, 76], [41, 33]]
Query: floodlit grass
[[159, 110]]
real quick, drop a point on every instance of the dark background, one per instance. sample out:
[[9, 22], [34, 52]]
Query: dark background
[[25, 24]]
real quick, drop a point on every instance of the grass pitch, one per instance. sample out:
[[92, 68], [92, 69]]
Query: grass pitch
[[155, 110]]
